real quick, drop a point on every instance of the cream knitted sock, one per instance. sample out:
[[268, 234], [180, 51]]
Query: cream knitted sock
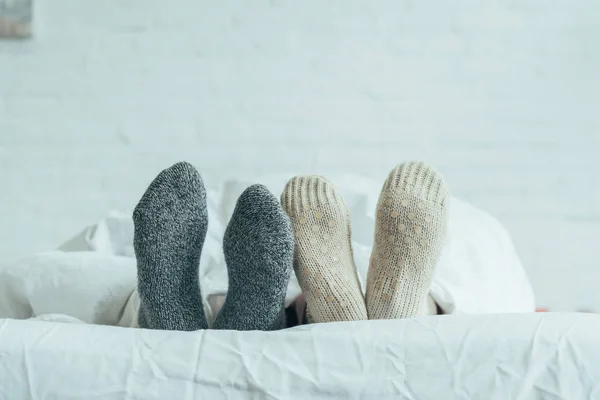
[[409, 233], [323, 259]]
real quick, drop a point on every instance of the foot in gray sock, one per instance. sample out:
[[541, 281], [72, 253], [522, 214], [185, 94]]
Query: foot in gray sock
[[170, 227], [259, 251]]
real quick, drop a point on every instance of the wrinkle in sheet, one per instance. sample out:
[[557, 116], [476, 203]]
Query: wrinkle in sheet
[[577, 358], [29, 371]]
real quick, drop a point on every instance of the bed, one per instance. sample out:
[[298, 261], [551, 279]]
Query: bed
[[65, 316]]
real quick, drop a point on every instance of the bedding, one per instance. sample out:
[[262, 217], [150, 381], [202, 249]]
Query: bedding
[[65, 311], [93, 276], [516, 356]]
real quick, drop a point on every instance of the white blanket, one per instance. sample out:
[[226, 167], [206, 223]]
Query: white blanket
[[94, 274], [519, 356], [91, 279]]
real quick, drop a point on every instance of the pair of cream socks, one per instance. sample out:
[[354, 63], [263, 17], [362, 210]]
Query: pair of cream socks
[[409, 232]]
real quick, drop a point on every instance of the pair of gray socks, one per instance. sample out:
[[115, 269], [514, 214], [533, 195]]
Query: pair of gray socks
[[170, 225]]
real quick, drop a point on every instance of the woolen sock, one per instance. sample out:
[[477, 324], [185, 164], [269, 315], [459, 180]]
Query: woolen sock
[[170, 224], [323, 261], [259, 252], [409, 234]]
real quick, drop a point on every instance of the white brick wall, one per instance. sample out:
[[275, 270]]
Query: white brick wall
[[503, 99]]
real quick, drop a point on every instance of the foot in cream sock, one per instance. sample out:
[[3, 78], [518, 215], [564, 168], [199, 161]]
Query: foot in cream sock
[[409, 233], [323, 260]]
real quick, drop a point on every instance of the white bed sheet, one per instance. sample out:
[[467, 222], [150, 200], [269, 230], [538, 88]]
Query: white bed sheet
[[519, 356]]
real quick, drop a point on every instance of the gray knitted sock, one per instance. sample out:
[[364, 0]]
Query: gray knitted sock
[[259, 250], [170, 226]]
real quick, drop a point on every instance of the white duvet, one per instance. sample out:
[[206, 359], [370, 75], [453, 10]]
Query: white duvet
[[91, 280]]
